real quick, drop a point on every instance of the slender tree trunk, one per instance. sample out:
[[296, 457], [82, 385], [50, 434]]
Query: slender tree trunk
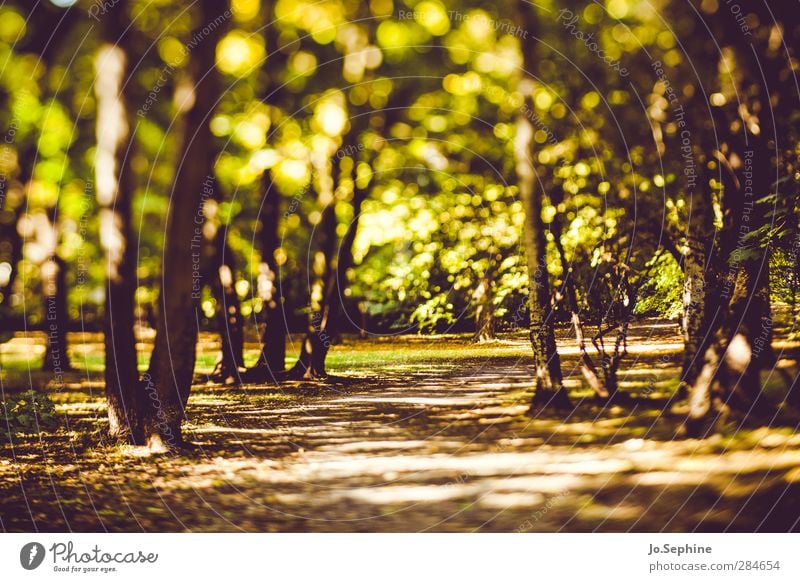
[[115, 189], [745, 324], [484, 310], [310, 364], [10, 256], [733, 360], [617, 319], [323, 324], [169, 378], [700, 284], [54, 291], [750, 328], [588, 368], [272, 362], [229, 314], [549, 391], [701, 252], [333, 307]]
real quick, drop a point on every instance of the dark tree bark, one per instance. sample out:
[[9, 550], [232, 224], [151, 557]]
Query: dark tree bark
[[588, 368], [10, 255], [748, 156], [219, 272], [230, 323], [549, 391], [168, 381], [616, 319], [310, 364], [271, 364], [741, 342], [324, 321], [115, 186]]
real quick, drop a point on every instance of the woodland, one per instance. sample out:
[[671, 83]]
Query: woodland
[[399, 265]]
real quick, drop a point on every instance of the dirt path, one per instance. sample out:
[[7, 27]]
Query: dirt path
[[424, 450]]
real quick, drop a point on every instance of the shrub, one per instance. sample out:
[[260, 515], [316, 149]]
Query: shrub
[[27, 413]]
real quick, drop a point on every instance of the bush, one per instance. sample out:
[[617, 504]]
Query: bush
[[27, 413], [662, 294]]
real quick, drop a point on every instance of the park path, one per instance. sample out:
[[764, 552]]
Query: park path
[[423, 450], [457, 453]]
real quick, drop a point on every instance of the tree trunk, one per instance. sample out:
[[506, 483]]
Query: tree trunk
[[115, 189], [219, 270], [739, 350], [10, 256], [750, 329], [272, 362], [588, 368], [229, 314], [730, 377], [168, 381], [549, 391], [484, 310], [610, 362], [323, 324], [333, 307], [700, 284], [310, 364], [54, 291]]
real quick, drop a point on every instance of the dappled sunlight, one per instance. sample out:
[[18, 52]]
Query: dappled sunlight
[[419, 400], [412, 494], [329, 265], [649, 348], [410, 448]]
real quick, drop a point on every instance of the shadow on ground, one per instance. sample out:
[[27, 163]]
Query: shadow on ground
[[437, 440]]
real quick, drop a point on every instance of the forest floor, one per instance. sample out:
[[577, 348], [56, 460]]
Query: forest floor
[[415, 434]]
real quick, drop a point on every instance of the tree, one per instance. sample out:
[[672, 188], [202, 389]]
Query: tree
[[168, 381], [588, 368], [485, 308], [220, 271], [115, 187], [54, 292], [337, 258], [749, 159], [333, 255], [272, 361], [10, 253], [549, 391]]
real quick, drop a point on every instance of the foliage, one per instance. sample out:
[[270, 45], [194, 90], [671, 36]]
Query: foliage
[[442, 214], [28, 413], [661, 293]]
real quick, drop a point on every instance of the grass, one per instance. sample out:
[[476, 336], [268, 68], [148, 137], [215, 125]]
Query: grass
[[25, 353]]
